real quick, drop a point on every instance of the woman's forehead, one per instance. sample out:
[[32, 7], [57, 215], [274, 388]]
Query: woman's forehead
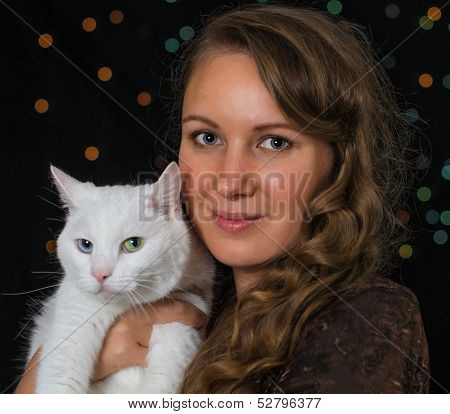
[[225, 96]]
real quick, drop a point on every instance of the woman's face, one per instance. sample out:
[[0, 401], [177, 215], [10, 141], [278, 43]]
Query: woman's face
[[232, 163]]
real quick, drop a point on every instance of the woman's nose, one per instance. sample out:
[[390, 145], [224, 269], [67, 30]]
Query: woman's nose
[[237, 176]]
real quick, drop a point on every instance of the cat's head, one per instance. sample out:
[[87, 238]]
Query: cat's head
[[123, 239]]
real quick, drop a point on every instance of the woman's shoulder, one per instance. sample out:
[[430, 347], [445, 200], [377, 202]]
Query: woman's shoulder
[[371, 340]]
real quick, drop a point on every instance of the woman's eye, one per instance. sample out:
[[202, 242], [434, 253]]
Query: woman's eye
[[85, 246], [206, 138], [276, 143], [133, 244]]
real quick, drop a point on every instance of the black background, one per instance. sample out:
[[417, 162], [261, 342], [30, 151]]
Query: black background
[[84, 111]]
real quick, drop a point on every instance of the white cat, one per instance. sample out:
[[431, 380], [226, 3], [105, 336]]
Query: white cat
[[121, 245]]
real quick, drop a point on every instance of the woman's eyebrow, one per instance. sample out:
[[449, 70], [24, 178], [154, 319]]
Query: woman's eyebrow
[[261, 127]]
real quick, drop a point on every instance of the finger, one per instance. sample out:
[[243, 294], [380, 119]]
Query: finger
[[141, 353], [192, 315], [144, 335]]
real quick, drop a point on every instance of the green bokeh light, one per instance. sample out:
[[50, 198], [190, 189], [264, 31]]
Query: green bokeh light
[[425, 23], [187, 32], [445, 217], [423, 193], [334, 6], [172, 44]]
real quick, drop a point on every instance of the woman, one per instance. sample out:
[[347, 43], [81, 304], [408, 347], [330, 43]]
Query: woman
[[301, 215]]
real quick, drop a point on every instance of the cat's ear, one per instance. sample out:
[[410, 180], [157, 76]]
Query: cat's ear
[[70, 190], [166, 191]]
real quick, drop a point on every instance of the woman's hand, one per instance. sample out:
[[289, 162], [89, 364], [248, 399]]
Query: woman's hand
[[28, 381], [126, 342]]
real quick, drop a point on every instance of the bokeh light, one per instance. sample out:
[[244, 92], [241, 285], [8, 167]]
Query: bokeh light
[[446, 172], [334, 6], [432, 216], [446, 81], [50, 246], [104, 74], [434, 13], [116, 17], [425, 23], [422, 162], [89, 24], [440, 237], [424, 193], [45, 40], [405, 251], [389, 62], [445, 217], [144, 98], [172, 44], [425, 80], [161, 162], [403, 216], [412, 115], [41, 105], [187, 32], [392, 11], [91, 153]]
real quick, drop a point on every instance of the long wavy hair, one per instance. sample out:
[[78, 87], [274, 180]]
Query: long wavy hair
[[322, 71]]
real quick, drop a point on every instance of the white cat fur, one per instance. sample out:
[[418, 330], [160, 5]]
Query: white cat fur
[[172, 261]]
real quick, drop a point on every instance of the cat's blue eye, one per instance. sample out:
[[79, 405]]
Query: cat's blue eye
[[85, 246]]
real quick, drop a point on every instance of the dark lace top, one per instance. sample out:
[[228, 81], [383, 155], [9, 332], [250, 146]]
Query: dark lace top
[[375, 344]]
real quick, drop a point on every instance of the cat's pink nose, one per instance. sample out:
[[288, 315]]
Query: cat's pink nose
[[101, 274]]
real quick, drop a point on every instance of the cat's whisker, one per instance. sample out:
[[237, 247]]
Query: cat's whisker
[[129, 298], [30, 291], [49, 202], [51, 232], [139, 306], [50, 190], [31, 318], [47, 274], [150, 304], [147, 287], [54, 219], [132, 299]]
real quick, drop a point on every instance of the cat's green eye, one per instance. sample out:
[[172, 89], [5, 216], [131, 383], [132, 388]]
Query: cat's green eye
[[133, 244]]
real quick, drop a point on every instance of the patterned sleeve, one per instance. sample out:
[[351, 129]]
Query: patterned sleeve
[[375, 344]]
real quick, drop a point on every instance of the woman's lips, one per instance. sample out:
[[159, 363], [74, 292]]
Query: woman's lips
[[235, 222]]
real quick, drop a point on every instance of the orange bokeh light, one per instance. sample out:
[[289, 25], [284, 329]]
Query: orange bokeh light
[[45, 40], [89, 24], [91, 153]]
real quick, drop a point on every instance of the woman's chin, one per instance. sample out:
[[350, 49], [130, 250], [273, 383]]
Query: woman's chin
[[237, 255]]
